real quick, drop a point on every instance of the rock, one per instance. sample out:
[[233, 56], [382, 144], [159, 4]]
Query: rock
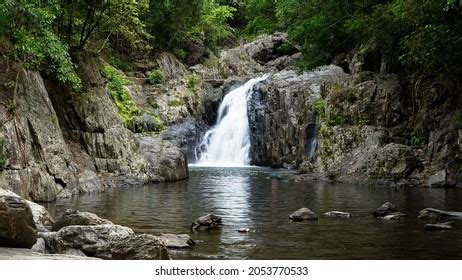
[[439, 226], [89, 182], [303, 214], [64, 194], [26, 254], [184, 135], [17, 226], [88, 239], [177, 241], [42, 218], [243, 230], [39, 246], [386, 209], [170, 65], [280, 111], [437, 214], [139, 247], [393, 216], [438, 179], [73, 217], [337, 214], [207, 222], [166, 161]]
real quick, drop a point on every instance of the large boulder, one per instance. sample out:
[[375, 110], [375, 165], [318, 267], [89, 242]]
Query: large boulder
[[85, 238], [137, 247], [207, 222], [73, 217], [17, 226], [42, 218]]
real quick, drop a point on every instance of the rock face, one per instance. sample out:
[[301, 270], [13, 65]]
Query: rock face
[[281, 115], [207, 222], [17, 227], [384, 210], [61, 142], [303, 214], [73, 217]]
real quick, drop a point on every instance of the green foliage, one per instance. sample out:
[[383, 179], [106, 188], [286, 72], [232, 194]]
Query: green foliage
[[457, 121], [3, 156], [126, 108], [29, 26], [340, 119], [156, 77], [192, 83], [175, 103], [319, 107], [416, 139]]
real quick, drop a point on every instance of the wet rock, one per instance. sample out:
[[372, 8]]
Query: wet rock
[[243, 230], [73, 217], [439, 226], [384, 210], [438, 179], [337, 214], [184, 135], [64, 194], [303, 214], [139, 247], [17, 226], [40, 246], [393, 216], [85, 238], [207, 222], [177, 241], [437, 214]]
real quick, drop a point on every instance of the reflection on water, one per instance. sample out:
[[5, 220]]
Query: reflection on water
[[248, 197]]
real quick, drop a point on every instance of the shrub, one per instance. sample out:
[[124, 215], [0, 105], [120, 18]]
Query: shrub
[[192, 83], [156, 77]]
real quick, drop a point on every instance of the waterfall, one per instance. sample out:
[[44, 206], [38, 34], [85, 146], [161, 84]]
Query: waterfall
[[228, 142]]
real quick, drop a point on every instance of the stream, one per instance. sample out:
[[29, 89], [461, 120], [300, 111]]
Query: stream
[[248, 197]]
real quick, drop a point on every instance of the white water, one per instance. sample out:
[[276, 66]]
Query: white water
[[228, 142]]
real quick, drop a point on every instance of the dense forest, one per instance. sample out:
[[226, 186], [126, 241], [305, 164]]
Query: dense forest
[[413, 36]]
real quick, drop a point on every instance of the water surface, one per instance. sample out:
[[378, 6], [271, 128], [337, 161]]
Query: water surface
[[248, 197]]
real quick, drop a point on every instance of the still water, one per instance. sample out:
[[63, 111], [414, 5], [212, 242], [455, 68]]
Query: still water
[[248, 197]]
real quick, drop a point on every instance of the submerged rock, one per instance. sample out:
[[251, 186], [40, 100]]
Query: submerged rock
[[384, 210], [73, 217], [439, 226], [394, 216], [139, 247], [433, 213], [207, 222], [337, 214], [17, 226], [303, 214], [176, 241]]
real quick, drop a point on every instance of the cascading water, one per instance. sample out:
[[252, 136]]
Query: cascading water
[[228, 142]]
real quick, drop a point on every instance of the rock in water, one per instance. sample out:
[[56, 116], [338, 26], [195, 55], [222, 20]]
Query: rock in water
[[177, 241], [303, 214], [139, 247], [73, 217], [207, 222], [17, 227], [428, 215], [386, 209], [435, 213], [338, 214], [439, 226], [243, 230], [393, 216]]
